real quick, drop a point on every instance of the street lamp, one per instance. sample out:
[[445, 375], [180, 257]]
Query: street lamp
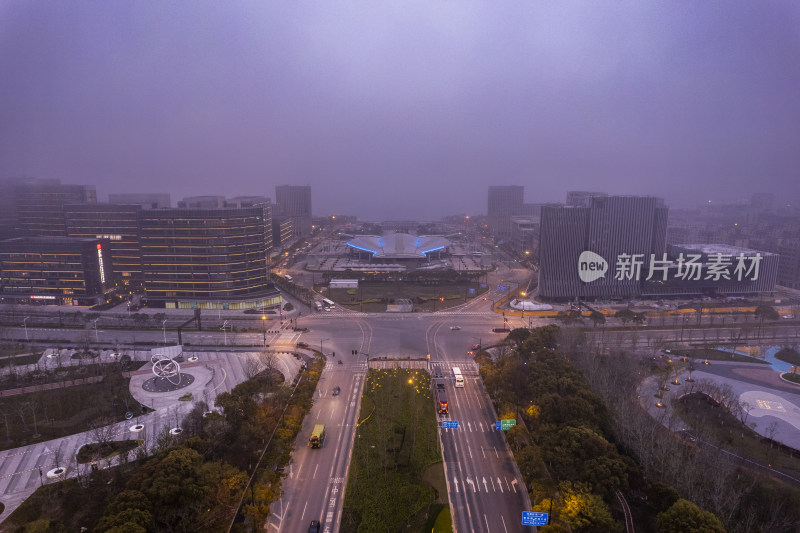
[[264, 321], [320, 344], [164, 328], [96, 339], [25, 326], [225, 332]]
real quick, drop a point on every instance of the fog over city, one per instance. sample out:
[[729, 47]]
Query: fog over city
[[404, 110]]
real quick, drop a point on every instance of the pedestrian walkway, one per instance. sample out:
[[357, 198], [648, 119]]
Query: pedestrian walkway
[[24, 469]]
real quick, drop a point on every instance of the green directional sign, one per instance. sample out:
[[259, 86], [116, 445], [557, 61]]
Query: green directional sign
[[505, 425]]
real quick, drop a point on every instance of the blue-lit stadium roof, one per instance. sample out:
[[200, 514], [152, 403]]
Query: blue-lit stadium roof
[[399, 245]]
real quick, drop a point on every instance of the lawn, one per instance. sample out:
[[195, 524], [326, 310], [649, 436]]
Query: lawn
[[373, 296], [718, 355], [43, 415], [393, 483]]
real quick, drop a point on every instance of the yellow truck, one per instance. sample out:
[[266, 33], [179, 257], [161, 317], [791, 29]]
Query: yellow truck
[[317, 436]]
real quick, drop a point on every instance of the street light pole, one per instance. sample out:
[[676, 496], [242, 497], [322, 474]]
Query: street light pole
[[96, 339], [25, 326], [164, 328], [320, 344], [225, 332], [264, 321]]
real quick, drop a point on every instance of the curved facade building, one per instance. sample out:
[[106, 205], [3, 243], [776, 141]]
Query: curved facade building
[[206, 258]]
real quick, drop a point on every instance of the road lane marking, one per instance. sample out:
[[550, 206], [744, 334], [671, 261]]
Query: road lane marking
[[304, 511], [504, 523], [487, 522], [507, 485], [315, 472]]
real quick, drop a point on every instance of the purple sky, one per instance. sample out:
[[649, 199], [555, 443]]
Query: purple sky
[[405, 109]]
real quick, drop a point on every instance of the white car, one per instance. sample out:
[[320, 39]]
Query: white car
[[788, 317], [454, 328]]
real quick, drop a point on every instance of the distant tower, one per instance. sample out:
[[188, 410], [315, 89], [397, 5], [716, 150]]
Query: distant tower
[[294, 201], [505, 201]]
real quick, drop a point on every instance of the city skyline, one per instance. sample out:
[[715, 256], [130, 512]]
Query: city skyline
[[405, 113]]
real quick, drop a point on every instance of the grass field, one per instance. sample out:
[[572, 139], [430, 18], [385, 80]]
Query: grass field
[[718, 355], [373, 296], [396, 476]]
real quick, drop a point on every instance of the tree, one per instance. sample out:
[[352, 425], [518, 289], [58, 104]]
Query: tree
[[686, 517], [597, 318], [585, 512], [626, 315], [789, 355]]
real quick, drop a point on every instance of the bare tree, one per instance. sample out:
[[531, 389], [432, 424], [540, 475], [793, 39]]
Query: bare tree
[[269, 360], [251, 367]]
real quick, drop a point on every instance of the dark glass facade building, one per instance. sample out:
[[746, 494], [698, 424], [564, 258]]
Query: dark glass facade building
[[294, 201]]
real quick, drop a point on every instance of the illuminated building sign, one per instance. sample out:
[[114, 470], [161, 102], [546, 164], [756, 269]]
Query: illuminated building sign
[[42, 297], [109, 237], [100, 261]]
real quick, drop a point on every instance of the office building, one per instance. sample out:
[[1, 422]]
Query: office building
[[609, 227], [146, 200], [583, 198], [505, 201], [40, 206], [206, 258], [294, 201], [54, 271], [281, 232], [118, 224]]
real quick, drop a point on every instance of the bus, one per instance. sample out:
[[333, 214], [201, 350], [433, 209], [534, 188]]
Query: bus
[[441, 398], [458, 377], [318, 306], [328, 303], [317, 436], [288, 278]]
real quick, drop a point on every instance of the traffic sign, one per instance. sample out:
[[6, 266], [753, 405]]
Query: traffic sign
[[530, 518], [504, 425], [449, 424], [501, 287]]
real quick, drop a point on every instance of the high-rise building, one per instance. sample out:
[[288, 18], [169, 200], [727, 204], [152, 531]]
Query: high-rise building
[[146, 200], [505, 201], [119, 226], [609, 227], [206, 258], [294, 201], [281, 232], [40, 205]]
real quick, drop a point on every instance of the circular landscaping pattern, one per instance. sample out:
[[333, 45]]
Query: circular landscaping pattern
[[157, 384], [193, 358], [175, 431], [57, 472], [136, 428]]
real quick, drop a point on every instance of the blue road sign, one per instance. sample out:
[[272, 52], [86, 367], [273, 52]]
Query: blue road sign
[[497, 426], [534, 519], [449, 424], [472, 291], [501, 287], [483, 285]]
